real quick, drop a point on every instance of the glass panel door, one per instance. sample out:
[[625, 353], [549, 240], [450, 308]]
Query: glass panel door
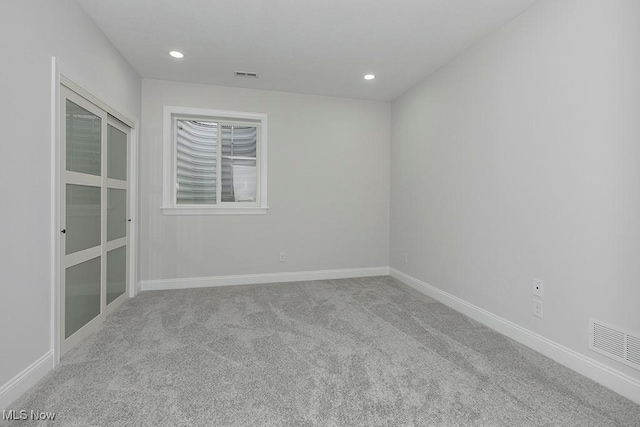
[[83, 128], [117, 211], [94, 216]]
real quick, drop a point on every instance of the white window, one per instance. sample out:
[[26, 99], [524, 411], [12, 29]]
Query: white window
[[215, 162]]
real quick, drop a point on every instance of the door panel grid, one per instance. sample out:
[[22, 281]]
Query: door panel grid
[[93, 215]]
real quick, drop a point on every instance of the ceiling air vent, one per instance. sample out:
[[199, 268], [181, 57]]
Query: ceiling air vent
[[246, 74], [614, 342]]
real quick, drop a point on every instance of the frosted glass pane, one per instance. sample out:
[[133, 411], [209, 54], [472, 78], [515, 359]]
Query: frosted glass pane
[[117, 153], [196, 162], [84, 131], [116, 273], [82, 217], [241, 175], [239, 172], [116, 214], [81, 295]]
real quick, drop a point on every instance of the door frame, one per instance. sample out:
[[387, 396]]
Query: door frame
[[61, 74]]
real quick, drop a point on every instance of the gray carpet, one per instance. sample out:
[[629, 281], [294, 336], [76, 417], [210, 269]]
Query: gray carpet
[[340, 352]]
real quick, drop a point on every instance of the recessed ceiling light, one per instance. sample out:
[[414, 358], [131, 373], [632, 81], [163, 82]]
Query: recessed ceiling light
[[369, 77], [176, 54]]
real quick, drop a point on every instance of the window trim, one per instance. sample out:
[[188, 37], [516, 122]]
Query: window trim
[[169, 206]]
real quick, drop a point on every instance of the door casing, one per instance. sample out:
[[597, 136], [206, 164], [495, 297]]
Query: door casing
[[65, 77]]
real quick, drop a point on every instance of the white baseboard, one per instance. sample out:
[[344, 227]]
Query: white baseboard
[[615, 380], [252, 279], [26, 379]]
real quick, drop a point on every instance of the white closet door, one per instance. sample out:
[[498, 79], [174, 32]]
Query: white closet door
[[117, 212], [93, 216]]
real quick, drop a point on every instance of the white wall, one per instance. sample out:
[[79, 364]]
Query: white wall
[[328, 178], [521, 159], [518, 160], [31, 32]]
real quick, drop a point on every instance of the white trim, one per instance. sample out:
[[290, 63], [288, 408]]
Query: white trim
[[207, 112], [55, 212], [253, 279], [76, 178], [115, 244], [15, 387], [609, 377], [132, 178], [81, 89], [214, 210], [82, 256], [116, 184]]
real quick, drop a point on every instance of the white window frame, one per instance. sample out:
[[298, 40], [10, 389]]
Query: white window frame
[[169, 205]]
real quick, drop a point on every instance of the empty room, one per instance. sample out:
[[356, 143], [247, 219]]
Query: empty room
[[340, 213]]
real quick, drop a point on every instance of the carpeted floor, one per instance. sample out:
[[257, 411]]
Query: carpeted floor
[[341, 352]]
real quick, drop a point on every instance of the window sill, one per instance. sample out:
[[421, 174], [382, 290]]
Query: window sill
[[214, 210]]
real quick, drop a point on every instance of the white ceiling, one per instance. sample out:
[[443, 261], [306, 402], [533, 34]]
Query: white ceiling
[[307, 46]]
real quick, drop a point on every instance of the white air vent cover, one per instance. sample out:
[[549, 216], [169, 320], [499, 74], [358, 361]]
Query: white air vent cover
[[246, 74], [633, 349], [615, 342]]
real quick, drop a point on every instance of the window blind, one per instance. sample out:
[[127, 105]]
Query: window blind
[[196, 162]]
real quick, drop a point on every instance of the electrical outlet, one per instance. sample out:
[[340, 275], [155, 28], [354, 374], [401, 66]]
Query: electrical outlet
[[537, 308], [537, 287], [283, 257], [406, 258]]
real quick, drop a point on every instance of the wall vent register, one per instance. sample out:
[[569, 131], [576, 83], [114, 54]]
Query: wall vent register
[[615, 343], [246, 74]]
